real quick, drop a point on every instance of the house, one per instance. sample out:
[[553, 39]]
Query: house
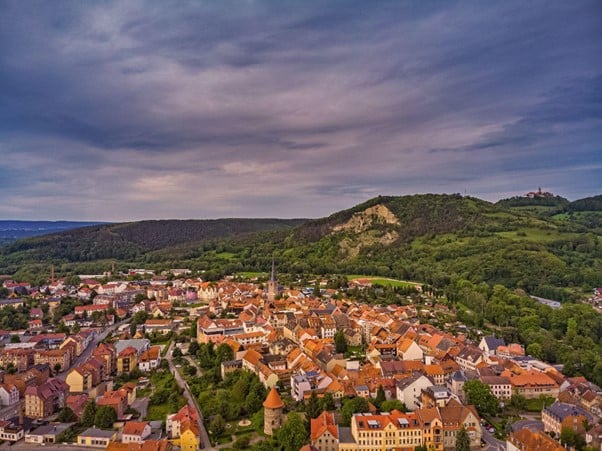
[[455, 416], [118, 400], [183, 428], [9, 394], [10, 432], [489, 346], [127, 360], [150, 359], [560, 414], [533, 384], [469, 357], [46, 399], [79, 380], [408, 349], [324, 432], [96, 438], [20, 358], [46, 433], [135, 432], [527, 440], [160, 326], [409, 390], [108, 353], [500, 386]]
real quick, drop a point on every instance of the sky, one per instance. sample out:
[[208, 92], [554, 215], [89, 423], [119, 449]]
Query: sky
[[135, 109]]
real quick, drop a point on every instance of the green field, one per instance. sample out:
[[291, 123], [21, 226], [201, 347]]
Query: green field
[[384, 281], [534, 234], [252, 275]]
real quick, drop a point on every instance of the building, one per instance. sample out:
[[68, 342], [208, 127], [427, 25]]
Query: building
[[96, 438], [10, 432], [409, 390], [150, 359], [559, 414], [273, 406], [394, 430], [500, 386], [183, 429], [325, 432], [46, 399], [135, 432], [527, 440], [9, 394], [118, 400], [127, 360], [533, 384]]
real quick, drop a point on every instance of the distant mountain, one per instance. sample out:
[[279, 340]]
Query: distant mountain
[[14, 230], [127, 241], [432, 238]]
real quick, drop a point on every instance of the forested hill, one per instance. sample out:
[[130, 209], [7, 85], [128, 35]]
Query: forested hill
[[434, 239], [128, 241], [14, 230]]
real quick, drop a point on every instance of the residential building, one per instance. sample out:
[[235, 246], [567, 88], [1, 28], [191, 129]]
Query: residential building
[[409, 390], [560, 413], [10, 432], [527, 440], [150, 359], [9, 394], [127, 360], [135, 432], [500, 386], [325, 432], [96, 438], [46, 399]]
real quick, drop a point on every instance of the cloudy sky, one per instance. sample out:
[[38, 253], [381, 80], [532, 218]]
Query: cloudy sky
[[172, 109]]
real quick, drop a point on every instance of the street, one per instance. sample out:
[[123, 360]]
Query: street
[[205, 442], [88, 351], [493, 444]]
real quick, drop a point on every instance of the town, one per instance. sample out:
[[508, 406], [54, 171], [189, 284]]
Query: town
[[164, 362]]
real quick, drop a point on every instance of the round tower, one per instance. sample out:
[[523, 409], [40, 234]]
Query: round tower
[[272, 416]]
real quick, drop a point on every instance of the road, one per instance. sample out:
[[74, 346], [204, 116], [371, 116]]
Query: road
[[493, 444], [88, 351], [205, 442]]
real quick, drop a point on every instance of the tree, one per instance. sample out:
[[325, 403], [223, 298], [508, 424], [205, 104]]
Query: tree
[[328, 401], [105, 417], [420, 448], [518, 402], [193, 348], [15, 339], [292, 435], [480, 395], [535, 350], [87, 418], [217, 426], [340, 342], [351, 406], [571, 438], [380, 396], [223, 353], [462, 440], [176, 353], [313, 407], [393, 404], [66, 415]]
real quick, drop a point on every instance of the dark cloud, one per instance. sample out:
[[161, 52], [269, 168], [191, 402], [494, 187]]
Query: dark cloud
[[138, 109]]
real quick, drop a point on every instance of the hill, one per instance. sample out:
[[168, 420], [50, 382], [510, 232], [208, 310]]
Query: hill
[[125, 242], [435, 239], [14, 230]]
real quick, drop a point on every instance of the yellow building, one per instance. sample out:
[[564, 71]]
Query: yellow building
[[127, 360], [79, 380], [189, 438], [96, 438]]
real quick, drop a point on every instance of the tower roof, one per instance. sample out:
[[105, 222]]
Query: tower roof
[[273, 400]]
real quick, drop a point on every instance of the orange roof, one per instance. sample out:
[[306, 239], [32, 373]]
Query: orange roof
[[273, 401], [134, 427], [324, 422]]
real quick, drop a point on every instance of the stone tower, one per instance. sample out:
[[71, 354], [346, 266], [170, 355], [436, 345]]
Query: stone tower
[[272, 414], [272, 284]]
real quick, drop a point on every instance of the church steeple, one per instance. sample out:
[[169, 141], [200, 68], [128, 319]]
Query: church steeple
[[272, 283]]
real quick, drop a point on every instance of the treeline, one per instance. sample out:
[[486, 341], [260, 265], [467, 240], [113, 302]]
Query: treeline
[[570, 335]]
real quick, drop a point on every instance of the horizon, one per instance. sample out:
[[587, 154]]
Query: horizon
[[129, 111], [108, 222]]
